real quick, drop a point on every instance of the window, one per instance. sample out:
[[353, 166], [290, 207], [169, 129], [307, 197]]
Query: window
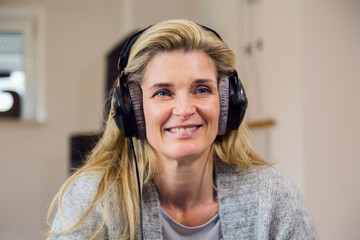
[[20, 65]]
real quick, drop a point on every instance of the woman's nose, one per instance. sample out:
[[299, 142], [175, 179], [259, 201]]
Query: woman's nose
[[184, 107]]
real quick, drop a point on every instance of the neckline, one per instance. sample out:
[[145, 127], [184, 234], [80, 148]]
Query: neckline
[[170, 219]]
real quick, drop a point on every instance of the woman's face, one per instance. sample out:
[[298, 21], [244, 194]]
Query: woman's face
[[181, 104]]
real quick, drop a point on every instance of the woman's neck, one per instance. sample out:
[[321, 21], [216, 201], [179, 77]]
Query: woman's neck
[[186, 190]]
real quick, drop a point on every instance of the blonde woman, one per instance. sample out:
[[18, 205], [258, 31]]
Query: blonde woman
[[179, 99]]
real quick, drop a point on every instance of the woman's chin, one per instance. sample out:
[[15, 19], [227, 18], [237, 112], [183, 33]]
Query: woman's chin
[[185, 154]]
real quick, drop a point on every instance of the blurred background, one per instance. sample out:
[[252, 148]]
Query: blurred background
[[299, 61]]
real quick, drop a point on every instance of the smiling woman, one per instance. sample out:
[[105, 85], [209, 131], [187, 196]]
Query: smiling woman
[[180, 100]]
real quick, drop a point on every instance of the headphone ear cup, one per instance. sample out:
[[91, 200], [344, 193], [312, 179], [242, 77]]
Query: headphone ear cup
[[137, 104], [122, 111], [224, 105], [237, 103]]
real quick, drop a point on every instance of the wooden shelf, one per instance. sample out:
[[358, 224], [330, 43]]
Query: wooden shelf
[[262, 123]]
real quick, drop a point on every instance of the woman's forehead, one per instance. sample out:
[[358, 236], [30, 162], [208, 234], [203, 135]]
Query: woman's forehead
[[179, 64]]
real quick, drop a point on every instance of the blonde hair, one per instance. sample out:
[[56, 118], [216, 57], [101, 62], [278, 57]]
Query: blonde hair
[[111, 158]]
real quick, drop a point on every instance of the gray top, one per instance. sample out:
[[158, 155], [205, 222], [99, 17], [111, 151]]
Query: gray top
[[253, 204], [174, 230]]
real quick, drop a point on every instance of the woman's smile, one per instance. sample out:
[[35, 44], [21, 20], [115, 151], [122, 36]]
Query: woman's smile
[[184, 131]]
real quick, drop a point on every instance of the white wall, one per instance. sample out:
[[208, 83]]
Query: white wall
[[309, 85], [331, 115], [281, 85]]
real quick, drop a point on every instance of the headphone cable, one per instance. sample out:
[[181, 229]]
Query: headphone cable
[[138, 185]]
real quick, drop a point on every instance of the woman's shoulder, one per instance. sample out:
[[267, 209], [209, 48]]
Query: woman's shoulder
[[74, 201], [271, 180], [264, 196], [282, 206], [81, 187], [264, 188], [260, 179], [78, 193]]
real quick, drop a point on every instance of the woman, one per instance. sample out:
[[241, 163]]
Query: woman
[[199, 177]]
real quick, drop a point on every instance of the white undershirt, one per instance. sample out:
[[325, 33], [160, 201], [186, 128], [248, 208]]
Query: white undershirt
[[174, 230]]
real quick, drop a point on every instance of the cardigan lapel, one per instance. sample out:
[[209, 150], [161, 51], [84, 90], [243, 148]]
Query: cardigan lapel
[[151, 212], [238, 208]]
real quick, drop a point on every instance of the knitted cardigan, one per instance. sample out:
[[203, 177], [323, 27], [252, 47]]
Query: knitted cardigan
[[253, 204]]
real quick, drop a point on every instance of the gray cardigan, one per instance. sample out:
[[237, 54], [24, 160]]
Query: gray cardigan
[[253, 204]]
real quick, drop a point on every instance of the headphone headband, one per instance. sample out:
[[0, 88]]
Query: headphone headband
[[124, 55]]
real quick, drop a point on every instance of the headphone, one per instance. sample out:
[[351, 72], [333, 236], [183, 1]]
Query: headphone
[[127, 105]]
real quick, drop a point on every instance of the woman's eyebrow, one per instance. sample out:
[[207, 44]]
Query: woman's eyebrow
[[161, 85], [169, 85], [201, 81]]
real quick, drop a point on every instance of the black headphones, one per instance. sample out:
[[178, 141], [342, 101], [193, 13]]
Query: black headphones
[[127, 107]]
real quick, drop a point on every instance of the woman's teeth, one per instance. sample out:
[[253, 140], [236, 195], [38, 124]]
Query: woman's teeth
[[182, 130]]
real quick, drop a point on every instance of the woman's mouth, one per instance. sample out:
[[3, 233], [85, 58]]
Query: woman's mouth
[[183, 129]]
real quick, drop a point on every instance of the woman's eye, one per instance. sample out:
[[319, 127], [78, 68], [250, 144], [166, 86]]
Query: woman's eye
[[203, 90], [162, 93]]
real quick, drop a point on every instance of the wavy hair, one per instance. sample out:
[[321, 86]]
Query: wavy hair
[[110, 157]]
